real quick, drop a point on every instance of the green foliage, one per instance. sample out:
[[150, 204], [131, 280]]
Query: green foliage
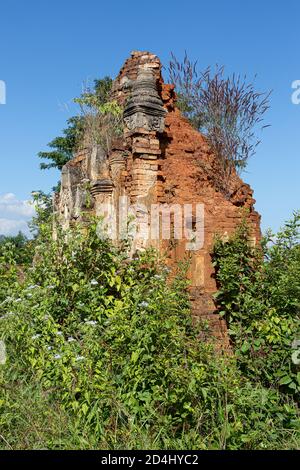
[[103, 88], [43, 204], [21, 246], [8, 271], [73, 136], [111, 340], [98, 96], [63, 146], [17, 252], [259, 296], [102, 116]]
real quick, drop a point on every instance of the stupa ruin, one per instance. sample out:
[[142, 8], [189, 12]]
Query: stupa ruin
[[161, 160]]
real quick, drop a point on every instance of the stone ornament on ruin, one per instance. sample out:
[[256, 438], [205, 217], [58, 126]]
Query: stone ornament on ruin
[[144, 109]]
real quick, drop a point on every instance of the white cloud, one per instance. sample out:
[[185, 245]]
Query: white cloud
[[10, 204], [14, 214], [12, 227]]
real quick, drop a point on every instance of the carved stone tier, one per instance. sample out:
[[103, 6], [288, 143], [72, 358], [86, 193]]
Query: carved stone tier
[[144, 109], [102, 186], [117, 160]]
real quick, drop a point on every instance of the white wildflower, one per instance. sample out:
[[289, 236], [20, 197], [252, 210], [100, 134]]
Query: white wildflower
[[35, 336], [79, 358], [94, 282]]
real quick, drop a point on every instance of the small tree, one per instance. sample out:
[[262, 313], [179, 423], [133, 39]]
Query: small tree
[[227, 110], [63, 146]]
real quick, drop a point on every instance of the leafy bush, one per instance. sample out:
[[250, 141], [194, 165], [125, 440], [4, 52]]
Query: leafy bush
[[259, 295], [20, 245]]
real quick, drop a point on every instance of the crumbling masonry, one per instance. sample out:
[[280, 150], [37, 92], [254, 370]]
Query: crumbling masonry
[[163, 160]]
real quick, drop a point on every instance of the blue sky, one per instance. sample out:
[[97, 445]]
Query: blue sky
[[49, 48]]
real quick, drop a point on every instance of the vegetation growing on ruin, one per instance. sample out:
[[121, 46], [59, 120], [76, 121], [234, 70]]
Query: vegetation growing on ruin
[[102, 116], [98, 121], [226, 109]]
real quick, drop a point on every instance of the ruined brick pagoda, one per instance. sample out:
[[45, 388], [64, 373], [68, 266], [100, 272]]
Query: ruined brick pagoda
[[162, 160]]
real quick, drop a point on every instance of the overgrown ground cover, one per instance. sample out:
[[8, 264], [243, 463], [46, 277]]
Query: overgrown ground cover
[[102, 353]]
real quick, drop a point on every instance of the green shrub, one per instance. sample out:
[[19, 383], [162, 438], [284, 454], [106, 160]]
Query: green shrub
[[259, 295]]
